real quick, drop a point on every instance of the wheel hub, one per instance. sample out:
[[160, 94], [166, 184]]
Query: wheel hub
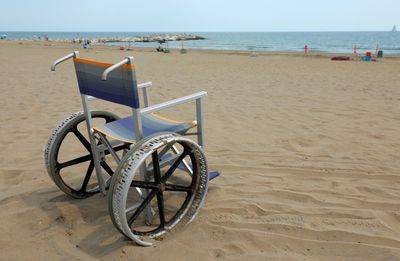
[[161, 187]]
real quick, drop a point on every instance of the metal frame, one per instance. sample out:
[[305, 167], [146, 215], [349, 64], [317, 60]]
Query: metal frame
[[92, 140], [198, 97], [136, 114]]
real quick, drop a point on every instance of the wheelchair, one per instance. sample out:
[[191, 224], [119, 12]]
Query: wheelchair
[[153, 175]]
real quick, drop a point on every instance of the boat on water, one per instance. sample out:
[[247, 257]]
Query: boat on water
[[394, 28], [3, 36]]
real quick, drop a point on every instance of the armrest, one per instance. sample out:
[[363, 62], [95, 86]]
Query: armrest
[[144, 85], [146, 95], [173, 102]]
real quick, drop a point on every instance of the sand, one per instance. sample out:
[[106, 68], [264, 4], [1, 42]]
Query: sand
[[308, 149]]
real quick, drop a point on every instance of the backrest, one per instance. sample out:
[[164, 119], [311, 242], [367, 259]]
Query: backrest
[[120, 87]]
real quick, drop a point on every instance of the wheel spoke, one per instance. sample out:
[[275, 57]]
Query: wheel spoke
[[156, 167], [87, 177], [132, 208], [164, 151], [107, 168], [143, 184], [161, 212], [174, 166], [142, 206], [171, 187], [74, 162], [82, 139]]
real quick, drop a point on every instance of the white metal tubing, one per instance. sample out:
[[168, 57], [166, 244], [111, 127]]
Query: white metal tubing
[[110, 148], [115, 66], [93, 145], [137, 117], [144, 85], [146, 94], [91, 98], [200, 121], [63, 59], [146, 97], [185, 164], [173, 102]]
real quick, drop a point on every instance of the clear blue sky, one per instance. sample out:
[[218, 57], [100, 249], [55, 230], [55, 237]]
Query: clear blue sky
[[204, 15]]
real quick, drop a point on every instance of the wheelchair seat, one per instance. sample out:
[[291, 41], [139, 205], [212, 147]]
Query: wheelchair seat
[[123, 129]]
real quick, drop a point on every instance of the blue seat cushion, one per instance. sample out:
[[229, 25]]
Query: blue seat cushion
[[124, 129]]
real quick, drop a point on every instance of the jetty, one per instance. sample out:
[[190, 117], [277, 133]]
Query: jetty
[[148, 38], [127, 39]]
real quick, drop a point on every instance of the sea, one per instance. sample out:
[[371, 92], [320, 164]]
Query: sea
[[329, 42]]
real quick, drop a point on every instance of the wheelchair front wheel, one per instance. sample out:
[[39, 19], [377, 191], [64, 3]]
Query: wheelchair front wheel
[[160, 182]]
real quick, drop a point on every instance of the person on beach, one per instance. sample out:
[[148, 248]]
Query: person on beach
[[306, 49]]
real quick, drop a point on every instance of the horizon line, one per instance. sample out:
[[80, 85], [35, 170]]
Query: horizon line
[[255, 31]]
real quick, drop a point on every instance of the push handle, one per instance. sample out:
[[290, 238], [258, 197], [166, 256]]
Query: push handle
[[127, 60], [63, 59]]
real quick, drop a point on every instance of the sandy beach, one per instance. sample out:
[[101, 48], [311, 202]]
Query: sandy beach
[[308, 149]]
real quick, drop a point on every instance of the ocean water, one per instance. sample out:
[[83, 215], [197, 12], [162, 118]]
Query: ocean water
[[332, 42]]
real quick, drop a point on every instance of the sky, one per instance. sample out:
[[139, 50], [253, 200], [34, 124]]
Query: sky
[[199, 16]]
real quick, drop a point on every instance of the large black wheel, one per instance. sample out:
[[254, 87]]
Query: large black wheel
[[160, 182], [68, 156]]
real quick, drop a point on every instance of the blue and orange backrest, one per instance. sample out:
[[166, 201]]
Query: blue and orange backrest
[[120, 87]]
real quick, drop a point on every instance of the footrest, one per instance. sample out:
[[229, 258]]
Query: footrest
[[213, 174]]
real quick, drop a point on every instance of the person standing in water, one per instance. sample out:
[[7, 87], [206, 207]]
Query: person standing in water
[[306, 49]]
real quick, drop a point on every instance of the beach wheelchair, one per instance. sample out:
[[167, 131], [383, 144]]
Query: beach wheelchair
[[153, 175]]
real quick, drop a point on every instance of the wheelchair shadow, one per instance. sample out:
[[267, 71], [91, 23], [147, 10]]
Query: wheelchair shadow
[[86, 222], [83, 223]]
